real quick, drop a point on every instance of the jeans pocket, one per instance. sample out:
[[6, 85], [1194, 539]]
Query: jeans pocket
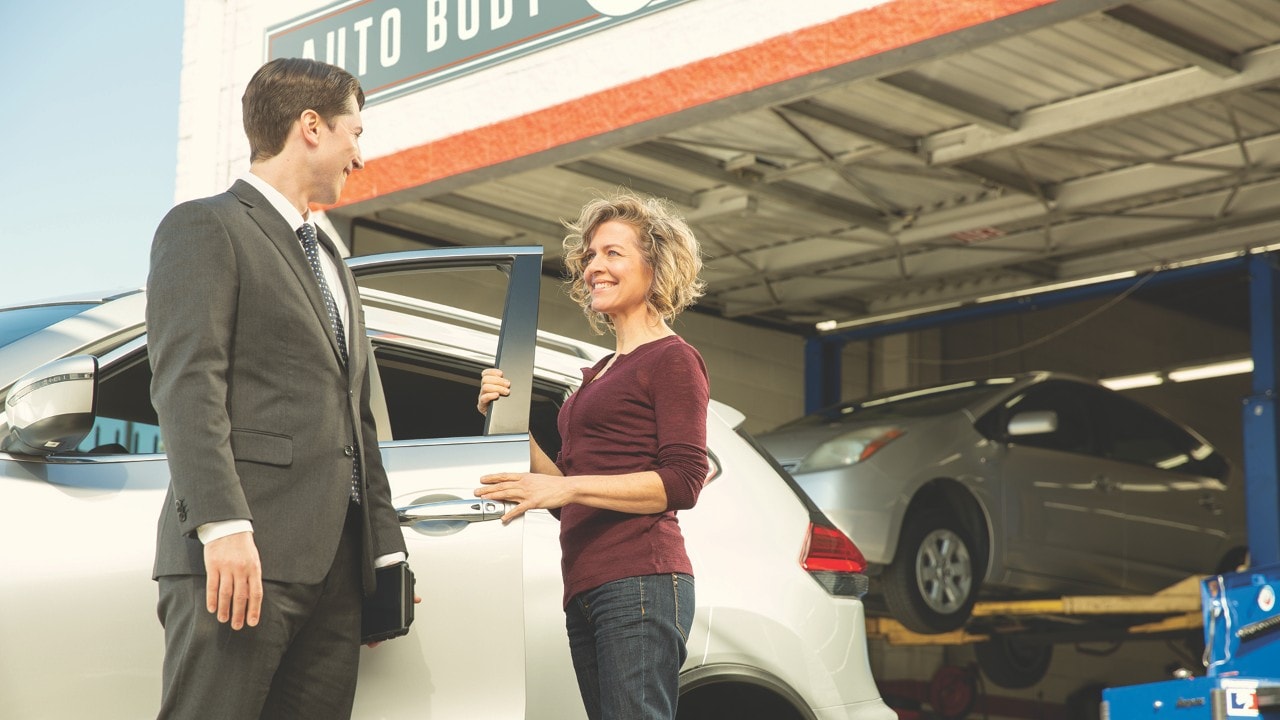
[[683, 599]]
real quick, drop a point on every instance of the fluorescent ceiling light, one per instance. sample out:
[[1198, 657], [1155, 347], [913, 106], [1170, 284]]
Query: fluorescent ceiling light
[[1202, 260], [1039, 289], [829, 325], [1212, 370], [1128, 382], [900, 315]]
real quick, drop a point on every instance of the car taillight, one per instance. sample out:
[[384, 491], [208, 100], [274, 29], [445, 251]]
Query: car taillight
[[834, 561], [829, 550]]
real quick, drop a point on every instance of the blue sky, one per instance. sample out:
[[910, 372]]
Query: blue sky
[[90, 126]]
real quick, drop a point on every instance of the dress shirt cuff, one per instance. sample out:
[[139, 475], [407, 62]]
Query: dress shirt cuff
[[390, 559], [216, 530]]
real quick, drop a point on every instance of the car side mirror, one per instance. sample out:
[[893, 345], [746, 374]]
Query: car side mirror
[[1033, 422], [51, 409]]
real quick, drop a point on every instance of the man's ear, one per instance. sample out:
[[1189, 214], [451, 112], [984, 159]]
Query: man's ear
[[309, 124]]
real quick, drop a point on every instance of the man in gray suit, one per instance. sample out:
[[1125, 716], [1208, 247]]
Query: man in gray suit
[[279, 507]]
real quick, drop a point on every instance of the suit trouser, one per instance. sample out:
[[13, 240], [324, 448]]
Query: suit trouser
[[299, 662]]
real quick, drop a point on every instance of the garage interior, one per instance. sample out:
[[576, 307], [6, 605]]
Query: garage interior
[[1090, 186]]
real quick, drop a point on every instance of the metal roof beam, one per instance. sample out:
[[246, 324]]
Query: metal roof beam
[[1092, 258], [1042, 269], [532, 224], [925, 290], [624, 179], [858, 126], [1187, 85], [980, 171], [918, 318], [798, 195], [736, 309], [838, 267], [999, 176], [1141, 26], [1013, 253], [1160, 176], [954, 100]]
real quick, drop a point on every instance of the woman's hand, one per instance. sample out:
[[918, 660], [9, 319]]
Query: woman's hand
[[492, 386], [527, 490]]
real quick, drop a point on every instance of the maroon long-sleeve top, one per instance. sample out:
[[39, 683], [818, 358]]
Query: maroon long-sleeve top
[[648, 412]]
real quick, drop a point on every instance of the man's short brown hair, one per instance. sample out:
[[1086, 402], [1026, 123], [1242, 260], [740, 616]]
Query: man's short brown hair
[[282, 89]]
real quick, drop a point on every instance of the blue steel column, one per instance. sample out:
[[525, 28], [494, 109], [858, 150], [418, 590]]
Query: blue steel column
[[822, 359], [1261, 432]]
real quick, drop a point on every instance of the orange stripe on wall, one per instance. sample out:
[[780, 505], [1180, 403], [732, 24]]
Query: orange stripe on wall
[[893, 25]]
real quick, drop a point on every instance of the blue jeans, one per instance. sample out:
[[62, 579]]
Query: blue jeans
[[627, 639]]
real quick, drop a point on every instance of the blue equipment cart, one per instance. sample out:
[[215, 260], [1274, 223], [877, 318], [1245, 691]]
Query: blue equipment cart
[[1242, 658]]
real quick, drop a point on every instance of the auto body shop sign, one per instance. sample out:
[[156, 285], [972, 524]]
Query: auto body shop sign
[[399, 46]]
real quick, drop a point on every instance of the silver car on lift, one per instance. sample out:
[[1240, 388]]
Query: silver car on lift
[[778, 633], [1023, 485]]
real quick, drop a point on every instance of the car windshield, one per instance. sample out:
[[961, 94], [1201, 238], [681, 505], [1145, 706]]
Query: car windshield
[[920, 402], [18, 323]]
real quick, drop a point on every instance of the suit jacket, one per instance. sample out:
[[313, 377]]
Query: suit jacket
[[260, 418]]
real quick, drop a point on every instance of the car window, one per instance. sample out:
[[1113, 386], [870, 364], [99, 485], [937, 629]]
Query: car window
[[920, 402], [125, 422], [1073, 434], [520, 268], [18, 323], [430, 395], [1131, 432]]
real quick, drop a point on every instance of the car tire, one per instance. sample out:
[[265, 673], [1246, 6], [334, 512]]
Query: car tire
[[933, 581], [1012, 662]]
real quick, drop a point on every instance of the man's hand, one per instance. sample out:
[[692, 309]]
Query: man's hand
[[233, 587]]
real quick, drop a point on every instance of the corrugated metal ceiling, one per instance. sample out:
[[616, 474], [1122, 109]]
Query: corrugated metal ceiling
[[1129, 138]]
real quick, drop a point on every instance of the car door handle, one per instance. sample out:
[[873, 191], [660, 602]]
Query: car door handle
[[1104, 483], [464, 510], [1210, 503]]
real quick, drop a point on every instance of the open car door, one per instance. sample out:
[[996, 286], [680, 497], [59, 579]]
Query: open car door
[[79, 523], [464, 655]]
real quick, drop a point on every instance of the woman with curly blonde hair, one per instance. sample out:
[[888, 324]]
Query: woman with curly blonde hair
[[633, 453]]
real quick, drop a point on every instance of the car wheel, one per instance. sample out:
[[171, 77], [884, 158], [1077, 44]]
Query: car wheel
[[931, 585], [1012, 662]]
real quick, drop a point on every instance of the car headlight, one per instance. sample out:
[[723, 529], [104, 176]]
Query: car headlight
[[849, 448]]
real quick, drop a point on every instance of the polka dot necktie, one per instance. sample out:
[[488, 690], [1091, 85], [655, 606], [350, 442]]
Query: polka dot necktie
[[307, 234]]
